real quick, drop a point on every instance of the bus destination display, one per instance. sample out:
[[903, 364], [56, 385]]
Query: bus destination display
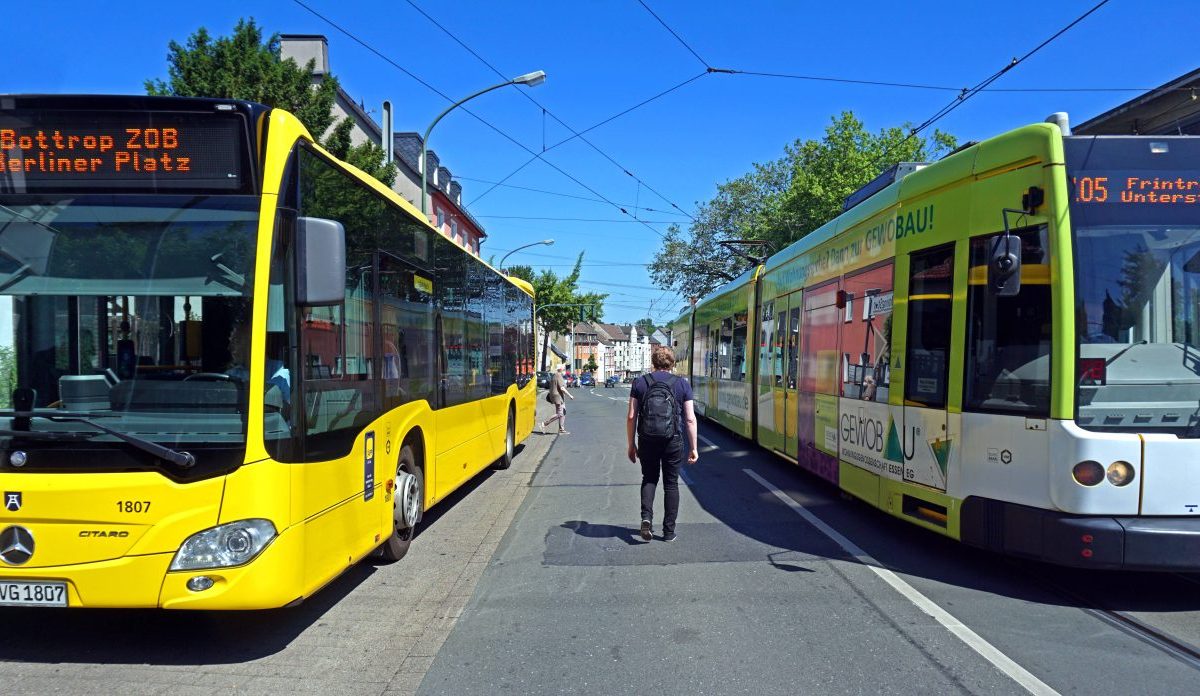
[[125, 151]]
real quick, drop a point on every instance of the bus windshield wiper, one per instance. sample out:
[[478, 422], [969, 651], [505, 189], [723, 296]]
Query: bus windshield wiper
[[48, 434], [183, 459]]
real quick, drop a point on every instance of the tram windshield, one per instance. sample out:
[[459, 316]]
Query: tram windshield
[[130, 312], [1135, 216]]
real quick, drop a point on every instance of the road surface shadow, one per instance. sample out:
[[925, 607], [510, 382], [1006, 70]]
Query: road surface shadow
[[156, 637], [726, 492]]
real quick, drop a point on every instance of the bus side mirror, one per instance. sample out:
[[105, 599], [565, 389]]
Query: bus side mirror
[[320, 262], [1004, 266]]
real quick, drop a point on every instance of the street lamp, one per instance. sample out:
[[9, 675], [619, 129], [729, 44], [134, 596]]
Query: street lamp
[[547, 242], [532, 79]]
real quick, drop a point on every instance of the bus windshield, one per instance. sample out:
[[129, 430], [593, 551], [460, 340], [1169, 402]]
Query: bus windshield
[[1135, 215], [131, 311]]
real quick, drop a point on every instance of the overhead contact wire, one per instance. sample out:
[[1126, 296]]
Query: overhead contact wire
[[479, 118], [545, 112]]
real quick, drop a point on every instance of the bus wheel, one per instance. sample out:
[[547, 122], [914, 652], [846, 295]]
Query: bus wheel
[[510, 443], [407, 506]]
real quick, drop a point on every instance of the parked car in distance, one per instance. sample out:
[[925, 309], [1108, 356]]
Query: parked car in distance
[[572, 379], [611, 382], [543, 379], [587, 380]]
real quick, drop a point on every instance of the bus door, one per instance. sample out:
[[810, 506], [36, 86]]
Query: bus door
[[923, 440]]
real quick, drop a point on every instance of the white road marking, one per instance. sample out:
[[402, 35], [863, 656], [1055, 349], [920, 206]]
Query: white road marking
[[602, 396], [988, 651], [706, 441]]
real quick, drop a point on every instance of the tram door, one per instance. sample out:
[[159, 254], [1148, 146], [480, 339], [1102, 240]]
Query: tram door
[[788, 330], [924, 439]]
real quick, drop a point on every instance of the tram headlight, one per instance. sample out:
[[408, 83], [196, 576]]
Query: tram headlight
[[1088, 472], [224, 546], [1120, 473]]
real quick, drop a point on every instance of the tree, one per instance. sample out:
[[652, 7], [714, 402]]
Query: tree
[[247, 66], [563, 292], [781, 201], [645, 326]]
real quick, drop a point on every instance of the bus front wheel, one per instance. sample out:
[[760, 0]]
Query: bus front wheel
[[407, 506], [510, 443]]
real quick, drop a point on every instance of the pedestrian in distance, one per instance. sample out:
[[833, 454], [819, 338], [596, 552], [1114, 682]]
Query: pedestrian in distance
[[664, 421], [557, 394]]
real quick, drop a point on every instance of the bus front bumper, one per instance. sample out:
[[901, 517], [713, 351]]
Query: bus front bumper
[[144, 582], [1125, 543]]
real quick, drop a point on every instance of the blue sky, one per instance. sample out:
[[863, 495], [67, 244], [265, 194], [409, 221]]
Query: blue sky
[[603, 57]]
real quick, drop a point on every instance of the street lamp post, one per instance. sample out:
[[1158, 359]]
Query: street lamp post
[[532, 79], [547, 242]]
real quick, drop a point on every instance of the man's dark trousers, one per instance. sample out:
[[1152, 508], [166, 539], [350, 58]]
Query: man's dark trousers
[[666, 457]]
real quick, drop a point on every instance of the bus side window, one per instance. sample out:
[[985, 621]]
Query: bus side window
[[931, 276]]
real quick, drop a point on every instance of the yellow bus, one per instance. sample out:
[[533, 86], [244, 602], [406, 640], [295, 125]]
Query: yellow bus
[[231, 366]]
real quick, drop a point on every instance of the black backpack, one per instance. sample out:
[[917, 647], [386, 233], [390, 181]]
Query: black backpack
[[658, 412]]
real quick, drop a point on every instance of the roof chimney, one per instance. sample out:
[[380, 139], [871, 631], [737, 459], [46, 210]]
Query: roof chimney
[[305, 47]]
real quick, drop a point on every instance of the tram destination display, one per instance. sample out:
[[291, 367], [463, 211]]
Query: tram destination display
[[127, 151]]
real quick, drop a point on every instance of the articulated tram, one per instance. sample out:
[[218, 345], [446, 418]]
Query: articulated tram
[[1002, 347]]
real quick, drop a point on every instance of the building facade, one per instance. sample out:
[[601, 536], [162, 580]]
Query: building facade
[[445, 207]]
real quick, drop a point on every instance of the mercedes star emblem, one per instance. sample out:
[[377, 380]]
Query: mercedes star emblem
[[16, 545]]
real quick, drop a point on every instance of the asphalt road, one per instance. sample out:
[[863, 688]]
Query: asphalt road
[[753, 598], [535, 581]]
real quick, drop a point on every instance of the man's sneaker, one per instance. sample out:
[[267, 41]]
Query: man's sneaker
[[563, 432], [670, 536], [647, 530]]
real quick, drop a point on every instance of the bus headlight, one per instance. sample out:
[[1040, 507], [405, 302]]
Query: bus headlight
[[1088, 472], [224, 546], [1120, 473]]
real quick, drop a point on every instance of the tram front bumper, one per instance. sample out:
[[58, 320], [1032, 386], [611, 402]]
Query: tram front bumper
[[1127, 543]]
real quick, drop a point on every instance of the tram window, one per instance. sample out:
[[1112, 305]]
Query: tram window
[[819, 353], [701, 351], [866, 338], [931, 277], [1008, 338], [726, 349], [738, 362]]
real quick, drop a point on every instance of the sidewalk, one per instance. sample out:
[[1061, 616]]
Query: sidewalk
[[451, 552]]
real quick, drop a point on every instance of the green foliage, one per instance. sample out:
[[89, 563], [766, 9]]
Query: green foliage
[[552, 290], [248, 66], [8, 375], [645, 326], [367, 156], [783, 200], [591, 365]]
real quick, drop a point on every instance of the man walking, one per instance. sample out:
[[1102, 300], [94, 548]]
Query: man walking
[[556, 394], [660, 412]]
